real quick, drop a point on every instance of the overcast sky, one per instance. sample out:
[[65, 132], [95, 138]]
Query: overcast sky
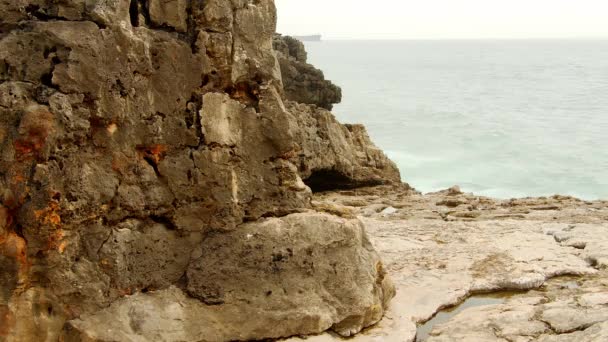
[[444, 19]]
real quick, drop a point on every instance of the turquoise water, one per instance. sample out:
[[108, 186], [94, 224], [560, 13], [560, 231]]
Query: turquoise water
[[424, 330], [499, 118]]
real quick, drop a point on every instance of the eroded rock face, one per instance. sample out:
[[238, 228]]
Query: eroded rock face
[[310, 265], [343, 158], [303, 82], [300, 280], [290, 47], [136, 140]]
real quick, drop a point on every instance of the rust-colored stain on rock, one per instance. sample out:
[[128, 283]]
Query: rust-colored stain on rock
[[155, 152], [7, 320], [35, 128], [13, 246], [49, 216], [112, 178]]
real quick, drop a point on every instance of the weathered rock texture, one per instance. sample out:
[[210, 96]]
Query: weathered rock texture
[[563, 310], [303, 82], [150, 170], [335, 156], [279, 277], [443, 247]]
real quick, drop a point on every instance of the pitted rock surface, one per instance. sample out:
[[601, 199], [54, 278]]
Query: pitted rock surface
[[137, 138], [300, 277]]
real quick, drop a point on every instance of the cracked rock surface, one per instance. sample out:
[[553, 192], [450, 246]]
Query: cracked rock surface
[[572, 311], [139, 141], [443, 247]]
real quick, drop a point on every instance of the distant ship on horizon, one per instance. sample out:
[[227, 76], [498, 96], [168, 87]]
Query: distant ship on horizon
[[310, 38]]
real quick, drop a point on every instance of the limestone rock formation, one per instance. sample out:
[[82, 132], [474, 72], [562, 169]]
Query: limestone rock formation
[[140, 143], [290, 48], [303, 82], [336, 156], [299, 275]]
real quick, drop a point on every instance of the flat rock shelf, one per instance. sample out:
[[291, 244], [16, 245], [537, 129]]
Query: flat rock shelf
[[450, 248]]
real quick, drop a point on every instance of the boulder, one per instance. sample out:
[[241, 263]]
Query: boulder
[[301, 281]]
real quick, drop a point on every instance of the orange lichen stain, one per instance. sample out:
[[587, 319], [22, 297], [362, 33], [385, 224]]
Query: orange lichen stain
[[53, 219], [25, 148], [155, 152], [49, 216]]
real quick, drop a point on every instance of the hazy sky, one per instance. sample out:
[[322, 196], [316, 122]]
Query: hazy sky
[[437, 19]]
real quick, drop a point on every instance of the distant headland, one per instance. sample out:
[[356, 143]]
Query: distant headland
[[311, 38]]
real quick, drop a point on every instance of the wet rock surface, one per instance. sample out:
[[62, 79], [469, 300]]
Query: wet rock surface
[[137, 140], [551, 313], [439, 254]]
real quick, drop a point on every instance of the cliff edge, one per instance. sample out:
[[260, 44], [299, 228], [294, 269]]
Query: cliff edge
[[303, 82], [155, 179]]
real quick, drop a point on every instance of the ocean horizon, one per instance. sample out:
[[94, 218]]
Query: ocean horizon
[[499, 117], [324, 39]]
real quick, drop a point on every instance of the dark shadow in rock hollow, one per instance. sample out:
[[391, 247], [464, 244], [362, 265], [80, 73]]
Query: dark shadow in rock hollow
[[331, 180]]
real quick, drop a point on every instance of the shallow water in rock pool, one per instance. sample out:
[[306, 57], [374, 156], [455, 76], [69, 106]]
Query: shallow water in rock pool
[[443, 316]]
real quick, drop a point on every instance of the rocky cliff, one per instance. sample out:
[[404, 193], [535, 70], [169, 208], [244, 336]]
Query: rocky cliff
[[154, 172], [303, 82]]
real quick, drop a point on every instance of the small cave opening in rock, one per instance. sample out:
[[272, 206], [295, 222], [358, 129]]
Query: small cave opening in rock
[[331, 180], [134, 13]]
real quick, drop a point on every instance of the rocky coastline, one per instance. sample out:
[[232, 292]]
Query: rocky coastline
[[171, 171], [545, 258]]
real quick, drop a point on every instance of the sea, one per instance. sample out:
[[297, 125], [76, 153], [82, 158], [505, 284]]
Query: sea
[[499, 118]]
